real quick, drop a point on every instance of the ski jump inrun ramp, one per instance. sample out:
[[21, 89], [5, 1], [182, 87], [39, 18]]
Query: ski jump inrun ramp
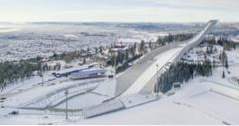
[[144, 73]]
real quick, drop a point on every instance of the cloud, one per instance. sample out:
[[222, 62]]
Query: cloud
[[119, 10], [218, 5]]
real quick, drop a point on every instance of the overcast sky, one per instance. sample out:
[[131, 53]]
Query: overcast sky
[[119, 10]]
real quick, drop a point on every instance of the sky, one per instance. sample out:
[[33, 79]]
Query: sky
[[119, 10]]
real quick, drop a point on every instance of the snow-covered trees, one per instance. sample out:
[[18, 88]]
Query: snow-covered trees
[[171, 38], [12, 71], [223, 74], [226, 43], [142, 47], [121, 58], [224, 59], [182, 72]]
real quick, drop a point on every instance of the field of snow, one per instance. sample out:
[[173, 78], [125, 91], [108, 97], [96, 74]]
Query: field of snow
[[39, 93], [26, 84], [195, 103], [104, 91], [80, 101]]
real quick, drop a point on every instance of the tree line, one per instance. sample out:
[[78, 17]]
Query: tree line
[[222, 41], [14, 71], [182, 72], [162, 40], [121, 59]]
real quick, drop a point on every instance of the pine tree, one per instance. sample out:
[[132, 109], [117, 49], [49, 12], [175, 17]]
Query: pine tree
[[223, 74], [150, 45], [226, 63], [142, 47], [126, 56]]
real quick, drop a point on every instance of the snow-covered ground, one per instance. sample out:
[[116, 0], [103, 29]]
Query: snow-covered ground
[[145, 36], [204, 100], [210, 100], [195, 103], [42, 92], [198, 54], [26, 84]]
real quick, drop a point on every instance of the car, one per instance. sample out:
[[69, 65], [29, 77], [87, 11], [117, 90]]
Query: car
[[14, 113], [111, 76]]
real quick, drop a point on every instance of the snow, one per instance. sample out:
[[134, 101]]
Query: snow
[[25, 84], [71, 36], [145, 77], [210, 100], [106, 107], [217, 105], [58, 97], [193, 104], [197, 55], [32, 40], [166, 58], [80, 101], [203, 100], [219, 102], [103, 91], [234, 56], [235, 39], [39, 117], [107, 88], [137, 99], [41, 92], [129, 40]]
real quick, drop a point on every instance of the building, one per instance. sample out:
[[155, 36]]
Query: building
[[88, 73]]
